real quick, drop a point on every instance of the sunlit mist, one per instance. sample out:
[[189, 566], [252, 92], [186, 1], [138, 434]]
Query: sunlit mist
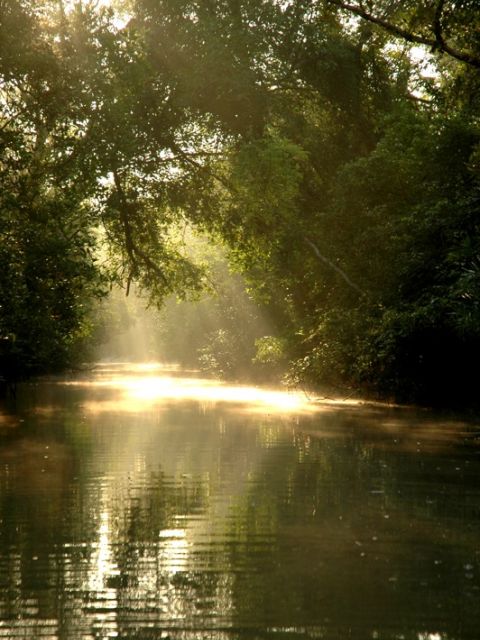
[[144, 385]]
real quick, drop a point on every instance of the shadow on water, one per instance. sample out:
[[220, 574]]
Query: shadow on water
[[141, 502]]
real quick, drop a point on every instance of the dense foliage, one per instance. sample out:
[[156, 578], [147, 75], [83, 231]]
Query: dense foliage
[[333, 149]]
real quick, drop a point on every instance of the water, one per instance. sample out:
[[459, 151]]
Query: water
[[145, 503]]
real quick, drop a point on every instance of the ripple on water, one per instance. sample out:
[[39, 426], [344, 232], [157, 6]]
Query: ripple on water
[[174, 507]]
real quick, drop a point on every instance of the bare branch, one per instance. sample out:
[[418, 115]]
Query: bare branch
[[418, 99], [437, 24], [328, 262]]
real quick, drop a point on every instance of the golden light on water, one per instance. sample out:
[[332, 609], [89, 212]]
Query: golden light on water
[[175, 549], [148, 385], [213, 392]]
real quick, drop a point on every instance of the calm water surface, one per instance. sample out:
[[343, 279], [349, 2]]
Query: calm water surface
[[141, 502]]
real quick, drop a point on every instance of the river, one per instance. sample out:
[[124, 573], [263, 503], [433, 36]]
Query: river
[[143, 502]]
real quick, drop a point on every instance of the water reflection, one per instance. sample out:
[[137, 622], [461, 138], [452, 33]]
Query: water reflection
[[199, 513]]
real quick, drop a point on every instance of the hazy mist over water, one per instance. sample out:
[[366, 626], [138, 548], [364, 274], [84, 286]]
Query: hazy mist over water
[[141, 501]]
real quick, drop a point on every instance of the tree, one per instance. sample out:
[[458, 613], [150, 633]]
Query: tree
[[343, 181], [88, 174], [47, 229]]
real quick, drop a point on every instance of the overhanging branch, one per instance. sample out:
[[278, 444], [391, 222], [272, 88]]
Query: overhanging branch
[[134, 252], [436, 43]]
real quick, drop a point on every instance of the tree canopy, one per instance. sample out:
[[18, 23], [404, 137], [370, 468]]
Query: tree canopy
[[332, 147]]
